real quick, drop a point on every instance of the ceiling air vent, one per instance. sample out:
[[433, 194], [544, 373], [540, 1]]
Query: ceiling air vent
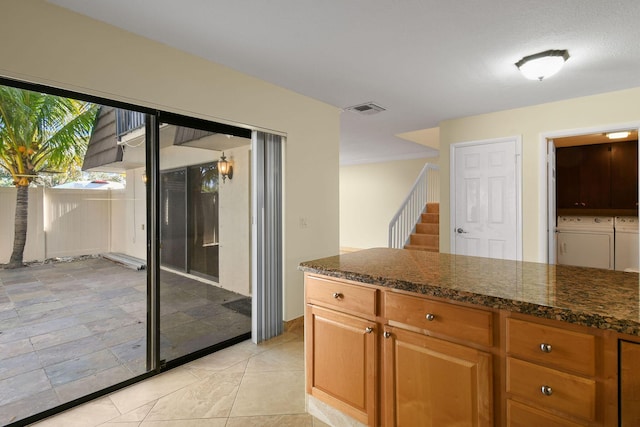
[[367, 109]]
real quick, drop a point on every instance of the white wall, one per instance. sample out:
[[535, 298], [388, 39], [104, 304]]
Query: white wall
[[370, 195], [532, 123], [98, 59]]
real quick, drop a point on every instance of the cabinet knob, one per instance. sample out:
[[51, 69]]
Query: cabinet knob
[[430, 317], [546, 390], [545, 348], [368, 329], [337, 295], [387, 334]]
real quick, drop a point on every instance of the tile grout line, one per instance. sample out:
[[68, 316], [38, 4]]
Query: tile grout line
[[244, 371]]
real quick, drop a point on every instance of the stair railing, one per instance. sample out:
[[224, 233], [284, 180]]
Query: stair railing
[[426, 189]]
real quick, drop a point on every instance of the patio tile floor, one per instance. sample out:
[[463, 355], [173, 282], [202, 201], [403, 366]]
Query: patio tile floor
[[68, 329]]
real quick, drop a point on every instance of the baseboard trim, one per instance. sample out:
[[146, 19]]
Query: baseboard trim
[[294, 325]]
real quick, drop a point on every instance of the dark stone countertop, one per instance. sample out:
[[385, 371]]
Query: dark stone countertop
[[598, 298]]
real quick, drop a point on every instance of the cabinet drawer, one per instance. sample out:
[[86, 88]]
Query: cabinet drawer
[[568, 393], [519, 415], [552, 347], [460, 322], [341, 296]]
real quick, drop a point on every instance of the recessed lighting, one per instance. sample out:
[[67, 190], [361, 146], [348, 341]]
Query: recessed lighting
[[618, 135], [542, 65]]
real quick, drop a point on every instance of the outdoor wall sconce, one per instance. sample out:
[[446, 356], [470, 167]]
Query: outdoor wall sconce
[[225, 168]]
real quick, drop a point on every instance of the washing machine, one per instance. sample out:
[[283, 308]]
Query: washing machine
[[585, 241], [626, 246]]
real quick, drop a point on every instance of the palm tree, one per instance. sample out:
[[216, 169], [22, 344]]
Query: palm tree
[[39, 133]]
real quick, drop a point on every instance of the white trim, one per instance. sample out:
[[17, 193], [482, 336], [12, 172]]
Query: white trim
[[517, 139], [543, 194]]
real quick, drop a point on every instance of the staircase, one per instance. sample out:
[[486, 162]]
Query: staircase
[[411, 218], [427, 233]]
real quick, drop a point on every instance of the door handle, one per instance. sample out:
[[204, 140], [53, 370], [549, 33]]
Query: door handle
[[461, 231]]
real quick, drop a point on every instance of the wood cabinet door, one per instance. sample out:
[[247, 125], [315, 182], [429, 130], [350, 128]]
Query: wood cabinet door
[[429, 382], [595, 176], [624, 175], [629, 383], [583, 179], [341, 362], [568, 163]]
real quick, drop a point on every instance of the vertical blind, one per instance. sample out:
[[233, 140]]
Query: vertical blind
[[267, 232]]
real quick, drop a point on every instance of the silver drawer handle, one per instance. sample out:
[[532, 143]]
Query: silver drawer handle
[[546, 390], [387, 334], [545, 348], [337, 295], [368, 329], [430, 317]]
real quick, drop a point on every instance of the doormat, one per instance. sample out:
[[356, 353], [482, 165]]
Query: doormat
[[242, 306]]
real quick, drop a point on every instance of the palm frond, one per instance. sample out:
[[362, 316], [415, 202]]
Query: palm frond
[[40, 131]]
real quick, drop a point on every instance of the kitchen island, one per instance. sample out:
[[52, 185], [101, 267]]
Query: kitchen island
[[400, 337]]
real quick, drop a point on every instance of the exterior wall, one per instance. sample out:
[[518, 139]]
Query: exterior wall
[[176, 157], [77, 222], [532, 123], [235, 223], [370, 195], [35, 247], [129, 216], [118, 65], [61, 222]]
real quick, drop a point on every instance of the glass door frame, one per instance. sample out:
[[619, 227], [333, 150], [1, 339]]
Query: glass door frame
[[153, 118]]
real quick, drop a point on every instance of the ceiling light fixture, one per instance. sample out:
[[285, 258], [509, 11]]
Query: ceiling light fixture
[[618, 135], [542, 65]]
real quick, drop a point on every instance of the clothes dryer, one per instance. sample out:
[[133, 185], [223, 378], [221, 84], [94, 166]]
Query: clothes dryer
[[626, 243], [585, 241]]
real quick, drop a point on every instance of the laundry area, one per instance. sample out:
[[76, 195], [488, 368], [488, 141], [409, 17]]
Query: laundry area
[[600, 242], [597, 201]]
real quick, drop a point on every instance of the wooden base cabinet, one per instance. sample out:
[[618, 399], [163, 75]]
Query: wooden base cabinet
[[520, 415], [392, 359], [341, 362], [432, 382], [629, 384]]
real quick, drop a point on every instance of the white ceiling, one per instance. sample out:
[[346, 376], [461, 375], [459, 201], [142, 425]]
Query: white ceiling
[[423, 60]]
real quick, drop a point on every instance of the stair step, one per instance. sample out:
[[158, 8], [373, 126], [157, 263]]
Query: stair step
[[431, 218], [422, 248], [427, 228], [433, 207], [425, 240]]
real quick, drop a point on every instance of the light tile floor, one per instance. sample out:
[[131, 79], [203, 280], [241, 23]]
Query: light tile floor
[[241, 386]]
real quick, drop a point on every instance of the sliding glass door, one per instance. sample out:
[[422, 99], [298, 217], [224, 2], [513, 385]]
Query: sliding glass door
[[147, 259], [73, 310], [173, 216], [202, 224], [203, 303]]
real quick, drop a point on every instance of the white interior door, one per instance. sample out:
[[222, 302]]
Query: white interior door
[[486, 186]]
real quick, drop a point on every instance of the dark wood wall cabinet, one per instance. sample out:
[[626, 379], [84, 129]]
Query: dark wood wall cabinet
[[599, 176]]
